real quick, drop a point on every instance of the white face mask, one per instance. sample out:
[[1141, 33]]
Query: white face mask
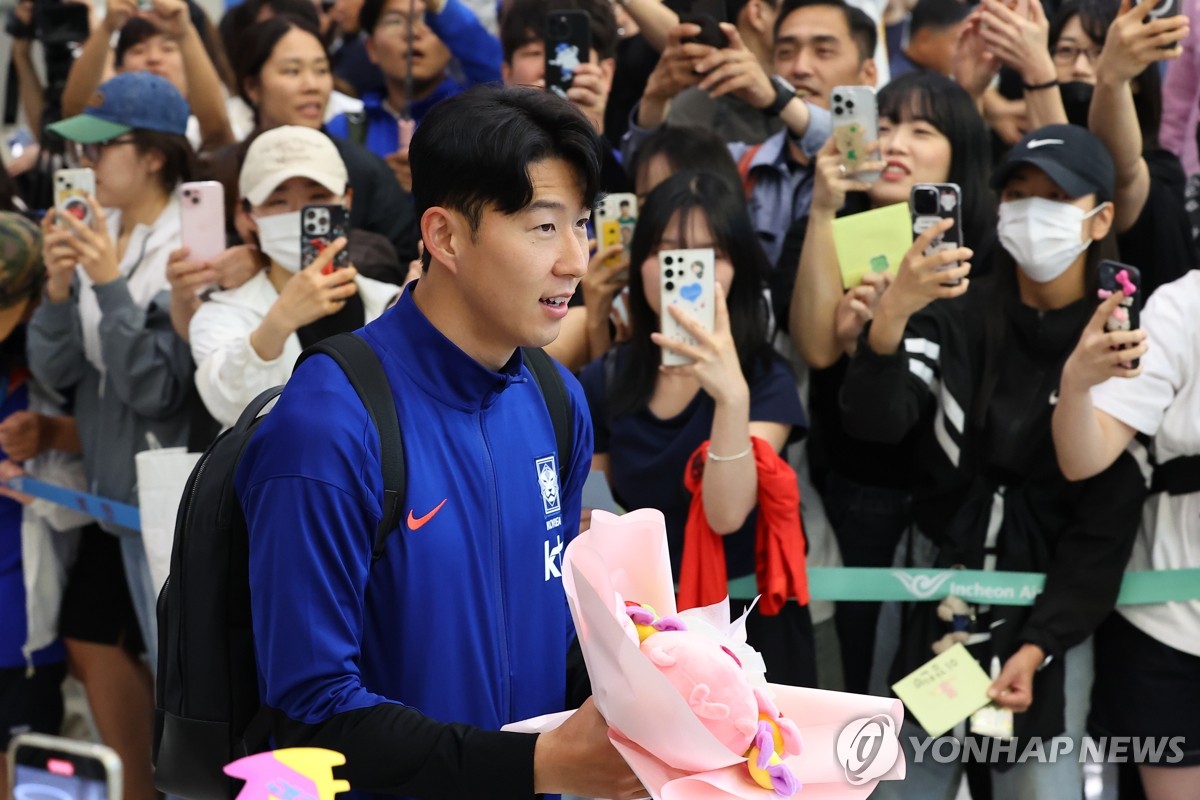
[[279, 239], [1043, 236]]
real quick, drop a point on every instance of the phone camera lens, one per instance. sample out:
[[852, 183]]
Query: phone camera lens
[[669, 260], [837, 98], [670, 287], [670, 273], [850, 104]]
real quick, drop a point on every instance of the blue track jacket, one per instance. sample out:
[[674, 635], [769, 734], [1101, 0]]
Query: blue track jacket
[[463, 619]]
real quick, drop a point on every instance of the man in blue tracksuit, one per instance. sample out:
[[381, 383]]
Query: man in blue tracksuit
[[410, 665]]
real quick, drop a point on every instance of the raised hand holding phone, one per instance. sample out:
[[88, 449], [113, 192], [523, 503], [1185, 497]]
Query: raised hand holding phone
[[711, 356]]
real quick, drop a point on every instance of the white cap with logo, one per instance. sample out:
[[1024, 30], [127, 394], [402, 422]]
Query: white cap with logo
[[290, 151]]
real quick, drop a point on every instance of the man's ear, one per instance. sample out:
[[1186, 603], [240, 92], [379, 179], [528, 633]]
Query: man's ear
[[348, 198], [370, 48], [444, 232], [756, 16], [868, 75], [506, 73]]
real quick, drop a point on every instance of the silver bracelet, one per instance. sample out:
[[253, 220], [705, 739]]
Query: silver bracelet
[[742, 454]]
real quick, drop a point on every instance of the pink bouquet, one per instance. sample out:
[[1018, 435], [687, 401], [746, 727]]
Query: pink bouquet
[[689, 723]]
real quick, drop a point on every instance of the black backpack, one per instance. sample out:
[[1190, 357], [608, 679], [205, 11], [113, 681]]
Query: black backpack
[[207, 704]]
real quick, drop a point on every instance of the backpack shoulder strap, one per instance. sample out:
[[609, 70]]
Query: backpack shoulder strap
[[366, 375], [554, 392]]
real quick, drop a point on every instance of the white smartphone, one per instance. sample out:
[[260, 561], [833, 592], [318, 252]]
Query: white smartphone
[[202, 219], [42, 767], [72, 188], [687, 282], [855, 127], [616, 217]]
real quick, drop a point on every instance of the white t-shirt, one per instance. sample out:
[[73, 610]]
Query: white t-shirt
[[229, 372], [1164, 403]]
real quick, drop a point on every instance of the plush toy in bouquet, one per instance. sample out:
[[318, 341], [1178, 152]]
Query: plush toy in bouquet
[[685, 697]]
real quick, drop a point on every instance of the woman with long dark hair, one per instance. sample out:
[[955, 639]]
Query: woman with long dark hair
[[737, 397], [929, 131]]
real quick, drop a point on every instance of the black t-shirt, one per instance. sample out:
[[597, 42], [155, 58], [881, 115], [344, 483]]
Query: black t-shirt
[[1160, 242]]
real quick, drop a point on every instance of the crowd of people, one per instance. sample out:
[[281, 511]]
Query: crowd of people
[[970, 408]]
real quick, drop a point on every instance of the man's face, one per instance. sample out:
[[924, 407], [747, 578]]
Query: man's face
[[815, 52], [528, 65], [518, 271], [388, 44], [159, 55]]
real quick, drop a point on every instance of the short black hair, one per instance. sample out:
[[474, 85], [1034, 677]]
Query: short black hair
[[687, 147], [475, 149], [862, 28], [937, 14], [368, 15], [524, 21], [133, 33]]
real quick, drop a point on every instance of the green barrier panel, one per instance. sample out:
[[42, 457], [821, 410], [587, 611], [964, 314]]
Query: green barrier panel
[[974, 586]]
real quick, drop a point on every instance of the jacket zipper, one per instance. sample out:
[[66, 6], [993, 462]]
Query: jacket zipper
[[505, 673]]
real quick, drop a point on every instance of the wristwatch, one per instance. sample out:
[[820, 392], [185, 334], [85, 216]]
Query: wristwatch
[[784, 92]]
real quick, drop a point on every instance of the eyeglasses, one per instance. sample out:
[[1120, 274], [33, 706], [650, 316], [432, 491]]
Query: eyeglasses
[[1067, 54], [92, 150], [393, 22]]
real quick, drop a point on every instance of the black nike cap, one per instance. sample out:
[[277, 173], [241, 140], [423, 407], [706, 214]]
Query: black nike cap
[[1072, 156]]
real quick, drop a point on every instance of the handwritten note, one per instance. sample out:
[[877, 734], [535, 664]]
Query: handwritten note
[[944, 691]]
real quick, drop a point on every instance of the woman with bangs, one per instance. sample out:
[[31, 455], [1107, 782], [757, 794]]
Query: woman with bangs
[[657, 426], [929, 132]]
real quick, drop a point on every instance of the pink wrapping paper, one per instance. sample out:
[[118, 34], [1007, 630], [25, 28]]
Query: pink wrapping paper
[[625, 558]]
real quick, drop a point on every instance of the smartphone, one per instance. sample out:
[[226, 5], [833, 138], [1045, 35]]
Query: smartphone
[[687, 281], [1162, 9], [929, 204], [202, 219], [616, 217], [320, 225], [855, 121], [42, 767], [568, 44], [145, 5], [72, 188], [1118, 277], [708, 14]]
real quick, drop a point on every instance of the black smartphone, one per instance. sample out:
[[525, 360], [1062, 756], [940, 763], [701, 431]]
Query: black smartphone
[[1118, 277], [1162, 8], [53, 768], [929, 204], [60, 23], [568, 44], [708, 14], [320, 225]]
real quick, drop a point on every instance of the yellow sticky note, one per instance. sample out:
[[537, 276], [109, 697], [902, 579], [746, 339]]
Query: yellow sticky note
[[944, 691], [872, 241]]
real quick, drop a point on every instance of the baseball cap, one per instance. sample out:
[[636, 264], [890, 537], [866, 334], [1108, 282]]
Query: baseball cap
[[290, 151], [129, 101], [21, 269], [1071, 155]]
